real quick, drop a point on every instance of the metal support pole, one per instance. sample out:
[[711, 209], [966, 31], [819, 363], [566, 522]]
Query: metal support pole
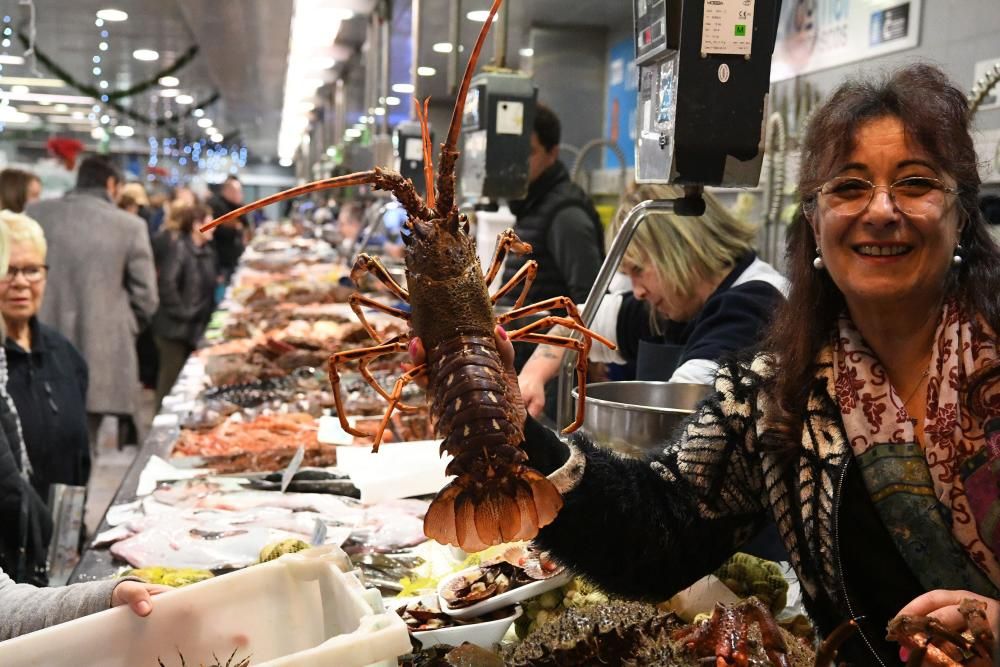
[[455, 37], [383, 85], [415, 44], [632, 221], [500, 36]]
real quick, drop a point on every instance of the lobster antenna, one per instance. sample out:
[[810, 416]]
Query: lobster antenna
[[456, 115], [428, 159], [359, 178]]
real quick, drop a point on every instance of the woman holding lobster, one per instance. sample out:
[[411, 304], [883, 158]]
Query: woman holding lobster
[[868, 423]]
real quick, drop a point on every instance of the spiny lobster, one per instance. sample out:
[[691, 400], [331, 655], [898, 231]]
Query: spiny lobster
[[495, 498]]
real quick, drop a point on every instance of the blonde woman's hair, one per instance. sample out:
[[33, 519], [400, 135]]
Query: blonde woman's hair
[[682, 249], [20, 228]]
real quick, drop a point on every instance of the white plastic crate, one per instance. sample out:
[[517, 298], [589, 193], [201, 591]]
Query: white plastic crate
[[301, 609]]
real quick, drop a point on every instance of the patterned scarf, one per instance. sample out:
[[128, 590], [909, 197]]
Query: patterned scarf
[[951, 483]]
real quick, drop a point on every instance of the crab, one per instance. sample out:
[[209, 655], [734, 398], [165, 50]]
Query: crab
[[932, 643], [730, 636]]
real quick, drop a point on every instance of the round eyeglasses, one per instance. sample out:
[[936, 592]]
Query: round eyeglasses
[[32, 273], [916, 195]]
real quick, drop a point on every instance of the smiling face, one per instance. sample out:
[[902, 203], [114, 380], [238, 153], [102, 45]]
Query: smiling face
[[881, 256], [20, 299]]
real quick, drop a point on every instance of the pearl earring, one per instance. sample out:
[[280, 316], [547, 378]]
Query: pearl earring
[[957, 259], [818, 262]]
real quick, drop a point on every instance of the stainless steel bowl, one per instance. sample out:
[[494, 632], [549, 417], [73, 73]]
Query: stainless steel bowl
[[633, 417]]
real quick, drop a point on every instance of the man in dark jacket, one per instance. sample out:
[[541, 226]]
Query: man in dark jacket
[[230, 238], [559, 221]]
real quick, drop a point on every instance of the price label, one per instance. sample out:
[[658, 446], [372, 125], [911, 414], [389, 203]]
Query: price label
[[727, 27]]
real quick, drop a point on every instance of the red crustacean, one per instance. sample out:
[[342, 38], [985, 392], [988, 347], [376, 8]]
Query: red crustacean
[[495, 498]]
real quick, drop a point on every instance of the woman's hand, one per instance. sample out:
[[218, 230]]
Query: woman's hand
[[532, 392], [943, 605], [137, 596], [506, 350]]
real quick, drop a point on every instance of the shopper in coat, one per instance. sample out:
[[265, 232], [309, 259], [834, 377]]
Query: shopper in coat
[[47, 377], [25, 608], [18, 188], [867, 427], [101, 285], [187, 280], [230, 238]]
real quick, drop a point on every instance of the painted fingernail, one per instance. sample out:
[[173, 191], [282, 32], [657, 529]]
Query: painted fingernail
[[904, 653], [412, 348], [502, 332]]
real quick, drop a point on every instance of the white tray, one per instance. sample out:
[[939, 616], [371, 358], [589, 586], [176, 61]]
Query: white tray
[[486, 634], [301, 609], [506, 599]]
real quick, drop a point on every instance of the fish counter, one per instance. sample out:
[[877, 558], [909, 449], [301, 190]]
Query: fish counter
[[247, 461]]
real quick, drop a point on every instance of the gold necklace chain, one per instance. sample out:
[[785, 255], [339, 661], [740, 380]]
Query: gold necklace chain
[[917, 388]]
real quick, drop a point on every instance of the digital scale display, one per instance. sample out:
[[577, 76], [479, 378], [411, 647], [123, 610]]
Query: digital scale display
[[650, 28]]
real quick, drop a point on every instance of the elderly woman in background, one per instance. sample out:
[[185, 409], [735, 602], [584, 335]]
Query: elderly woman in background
[[187, 279], [47, 376], [867, 426], [18, 188], [699, 293]]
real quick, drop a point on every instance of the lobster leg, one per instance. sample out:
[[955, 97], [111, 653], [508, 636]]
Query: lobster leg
[[526, 273], [507, 241], [527, 334], [555, 303], [373, 265], [357, 300], [365, 353], [397, 391], [374, 384]]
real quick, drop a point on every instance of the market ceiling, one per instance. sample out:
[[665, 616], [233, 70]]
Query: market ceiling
[[233, 55]]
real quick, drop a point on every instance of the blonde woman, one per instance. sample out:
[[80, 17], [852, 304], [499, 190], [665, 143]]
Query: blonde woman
[[699, 292]]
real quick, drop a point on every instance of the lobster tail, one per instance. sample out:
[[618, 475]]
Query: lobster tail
[[477, 515]]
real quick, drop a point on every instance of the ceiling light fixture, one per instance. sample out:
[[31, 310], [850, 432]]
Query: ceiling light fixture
[[217, 138], [426, 71], [98, 133], [285, 162], [112, 15], [124, 131], [205, 122], [198, 113], [352, 132], [6, 59], [480, 16], [527, 52], [169, 92], [379, 111], [392, 101], [403, 88], [169, 81], [20, 89], [314, 28], [443, 47], [184, 99], [31, 81], [145, 54]]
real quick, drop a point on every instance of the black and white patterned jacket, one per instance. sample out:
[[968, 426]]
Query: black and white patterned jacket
[[647, 529]]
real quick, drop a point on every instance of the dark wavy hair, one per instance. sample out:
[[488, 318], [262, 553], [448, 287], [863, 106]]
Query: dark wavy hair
[[935, 115]]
